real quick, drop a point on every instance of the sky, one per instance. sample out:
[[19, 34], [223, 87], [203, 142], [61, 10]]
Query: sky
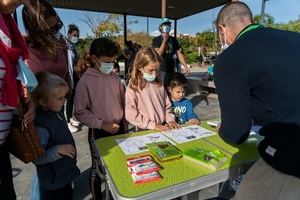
[[282, 10]]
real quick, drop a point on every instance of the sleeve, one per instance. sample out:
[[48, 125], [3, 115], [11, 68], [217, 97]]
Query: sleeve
[[156, 43], [82, 107], [132, 113], [189, 111], [169, 114], [50, 154], [234, 99]]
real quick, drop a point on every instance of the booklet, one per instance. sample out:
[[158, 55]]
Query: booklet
[[212, 159], [164, 151]]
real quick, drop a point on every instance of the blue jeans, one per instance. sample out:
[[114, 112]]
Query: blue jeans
[[35, 188]]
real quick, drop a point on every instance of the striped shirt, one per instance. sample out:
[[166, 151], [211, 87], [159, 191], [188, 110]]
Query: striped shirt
[[5, 113]]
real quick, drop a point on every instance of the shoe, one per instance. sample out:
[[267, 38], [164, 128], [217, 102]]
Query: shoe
[[72, 128], [74, 122]]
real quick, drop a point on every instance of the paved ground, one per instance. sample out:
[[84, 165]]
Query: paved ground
[[206, 106]]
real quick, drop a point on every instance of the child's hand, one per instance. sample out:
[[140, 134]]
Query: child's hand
[[67, 150], [194, 121], [173, 125], [161, 127], [112, 128]]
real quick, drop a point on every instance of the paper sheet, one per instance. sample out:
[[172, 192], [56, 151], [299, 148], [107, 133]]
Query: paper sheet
[[188, 133], [134, 145]]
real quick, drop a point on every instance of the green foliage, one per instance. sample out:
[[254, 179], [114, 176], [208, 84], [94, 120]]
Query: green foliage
[[293, 25], [192, 57], [268, 19]]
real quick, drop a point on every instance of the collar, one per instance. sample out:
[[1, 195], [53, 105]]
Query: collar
[[247, 29]]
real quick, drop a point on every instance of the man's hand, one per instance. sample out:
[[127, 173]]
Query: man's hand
[[112, 128], [186, 70], [166, 36]]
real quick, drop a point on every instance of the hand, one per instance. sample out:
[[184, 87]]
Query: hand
[[67, 150], [29, 115], [187, 71], [161, 127], [173, 125], [166, 37], [112, 128], [194, 121]]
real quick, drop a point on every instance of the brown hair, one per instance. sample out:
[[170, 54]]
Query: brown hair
[[178, 79], [39, 34], [47, 82], [144, 57], [99, 47], [72, 27]]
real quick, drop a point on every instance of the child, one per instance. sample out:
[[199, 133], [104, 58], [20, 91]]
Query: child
[[147, 103], [57, 168], [99, 96], [183, 108]]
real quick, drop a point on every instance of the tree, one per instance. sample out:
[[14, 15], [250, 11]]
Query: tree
[[293, 25], [268, 19]]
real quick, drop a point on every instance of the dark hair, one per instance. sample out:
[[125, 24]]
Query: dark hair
[[39, 34], [177, 79], [72, 28], [99, 47]]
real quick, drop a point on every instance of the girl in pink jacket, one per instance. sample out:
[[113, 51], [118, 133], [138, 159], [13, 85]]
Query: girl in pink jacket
[[99, 96], [147, 105]]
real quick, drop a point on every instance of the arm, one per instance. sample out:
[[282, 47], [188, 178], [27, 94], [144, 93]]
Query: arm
[[50, 154], [189, 111], [234, 98], [81, 107], [169, 114], [159, 48], [132, 113], [183, 61]]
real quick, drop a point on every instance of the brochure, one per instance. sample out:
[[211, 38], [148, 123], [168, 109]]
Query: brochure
[[164, 151]]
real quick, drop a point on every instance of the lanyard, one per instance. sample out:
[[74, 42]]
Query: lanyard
[[248, 28]]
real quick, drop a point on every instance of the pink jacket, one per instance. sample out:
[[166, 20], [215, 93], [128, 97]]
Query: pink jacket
[[98, 98], [148, 107]]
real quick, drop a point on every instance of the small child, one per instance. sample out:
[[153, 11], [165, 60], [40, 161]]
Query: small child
[[100, 95], [182, 107], [56, 169], [147, 103]]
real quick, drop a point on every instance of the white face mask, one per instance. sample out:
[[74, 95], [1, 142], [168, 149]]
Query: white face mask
[[224, 45], [57, 35], [149, 77], [166, 29], [74, 40], [106, 68]]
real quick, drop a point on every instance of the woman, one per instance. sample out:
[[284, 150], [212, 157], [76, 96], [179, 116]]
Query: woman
[[12, 46], [47, 47]]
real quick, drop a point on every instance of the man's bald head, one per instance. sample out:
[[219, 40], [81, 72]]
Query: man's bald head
[[233, 14]]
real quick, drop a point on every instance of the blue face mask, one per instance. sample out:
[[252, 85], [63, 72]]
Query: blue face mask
[[106, 68], [166, 29], [149, 77]]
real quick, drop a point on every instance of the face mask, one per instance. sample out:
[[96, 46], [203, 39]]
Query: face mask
[[57, 35], [149, 77], [106, 68], [166, 29], [74, 40], [224, 45]]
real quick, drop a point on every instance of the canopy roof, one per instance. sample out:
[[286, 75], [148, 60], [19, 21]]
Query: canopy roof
[[175, 9]]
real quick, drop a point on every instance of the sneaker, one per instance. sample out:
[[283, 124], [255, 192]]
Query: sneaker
[[72, 128], [74, 122]]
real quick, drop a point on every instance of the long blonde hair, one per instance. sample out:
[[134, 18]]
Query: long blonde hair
[[144, 57]]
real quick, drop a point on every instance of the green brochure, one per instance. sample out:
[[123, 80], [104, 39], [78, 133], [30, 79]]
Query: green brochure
[[164, 151]]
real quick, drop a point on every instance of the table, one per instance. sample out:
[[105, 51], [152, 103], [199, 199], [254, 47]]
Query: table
[[181, 176]]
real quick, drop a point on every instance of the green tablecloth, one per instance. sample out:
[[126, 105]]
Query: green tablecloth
[[172, 172]]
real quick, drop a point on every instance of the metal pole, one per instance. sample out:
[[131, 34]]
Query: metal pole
[[163, 8], [148, 30], [125, 39], [175, 28], [262, 13]]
